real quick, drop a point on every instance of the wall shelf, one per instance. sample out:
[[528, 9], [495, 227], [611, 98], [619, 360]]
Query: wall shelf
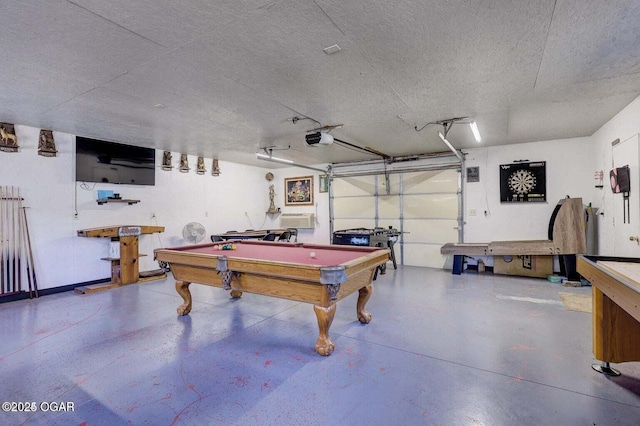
[[102, 201]]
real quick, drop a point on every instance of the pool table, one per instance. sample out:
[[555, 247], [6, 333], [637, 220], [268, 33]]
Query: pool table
[[311, 273]]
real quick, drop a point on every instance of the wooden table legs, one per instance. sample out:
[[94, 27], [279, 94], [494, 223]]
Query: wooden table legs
[[182, 287], [324, 345]]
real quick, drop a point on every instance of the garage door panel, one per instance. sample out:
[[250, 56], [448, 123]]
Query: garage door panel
[[394, 184], [431, 181], [431, 205], [389, 206], [360, 185], [354, 207], [431, 231], [425, 255]]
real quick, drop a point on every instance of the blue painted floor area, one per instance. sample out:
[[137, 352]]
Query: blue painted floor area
[[441, 349]]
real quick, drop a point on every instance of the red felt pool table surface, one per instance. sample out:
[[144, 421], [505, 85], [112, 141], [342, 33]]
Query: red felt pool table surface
[[284, 270], [324, 255]]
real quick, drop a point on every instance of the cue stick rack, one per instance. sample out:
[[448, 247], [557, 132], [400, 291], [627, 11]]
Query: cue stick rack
[[17, 269]]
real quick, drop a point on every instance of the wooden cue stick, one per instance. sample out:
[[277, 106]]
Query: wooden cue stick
[[7, 229], [13, 243], [2, 241], [16, 271], [26, 258], [19, 240], [5, 239], [33, 266]]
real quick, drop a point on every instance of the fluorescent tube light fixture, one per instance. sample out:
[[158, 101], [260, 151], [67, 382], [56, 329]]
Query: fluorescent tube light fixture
[[475, 131]]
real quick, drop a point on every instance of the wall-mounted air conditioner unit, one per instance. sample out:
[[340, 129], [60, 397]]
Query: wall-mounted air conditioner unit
[[297, 220]]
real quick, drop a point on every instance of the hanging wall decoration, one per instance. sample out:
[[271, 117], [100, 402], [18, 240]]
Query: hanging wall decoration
[[298, 191], [473, 174], [522, 182], [621, 184], [200, 168], [9, 140], [215, 168], [184, 163], [46, 144], [166, 161], [324, 183]]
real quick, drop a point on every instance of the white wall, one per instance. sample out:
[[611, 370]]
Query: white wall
[[571, 164], [623, 126], [237, 199], [568, 172]]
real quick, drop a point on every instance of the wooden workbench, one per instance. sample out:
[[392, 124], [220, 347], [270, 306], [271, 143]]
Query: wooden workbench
[[125, 267]]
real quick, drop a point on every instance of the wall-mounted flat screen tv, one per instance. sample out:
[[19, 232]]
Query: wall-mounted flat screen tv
[[110, 162]]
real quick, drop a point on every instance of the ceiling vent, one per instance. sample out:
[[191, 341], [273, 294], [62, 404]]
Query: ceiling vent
[[332, 49]]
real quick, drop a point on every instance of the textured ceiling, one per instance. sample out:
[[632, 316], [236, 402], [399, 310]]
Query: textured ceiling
[[225, 78]]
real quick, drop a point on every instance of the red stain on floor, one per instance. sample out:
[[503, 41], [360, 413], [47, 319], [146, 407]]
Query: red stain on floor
[[523, 348], [66, 327], [267, 363]]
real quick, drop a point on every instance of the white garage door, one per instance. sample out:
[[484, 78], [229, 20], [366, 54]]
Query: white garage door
[[423, 205]]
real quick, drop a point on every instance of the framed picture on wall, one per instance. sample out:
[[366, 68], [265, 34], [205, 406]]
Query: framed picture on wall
[[324, 183], [298, 191]]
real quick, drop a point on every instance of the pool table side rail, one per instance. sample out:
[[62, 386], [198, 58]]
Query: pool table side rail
[[616, 312], [279, 279], [281, 269], [614, 286]]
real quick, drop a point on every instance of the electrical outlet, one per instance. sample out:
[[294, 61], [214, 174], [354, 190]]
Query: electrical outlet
[[472, 212], [75, 216]]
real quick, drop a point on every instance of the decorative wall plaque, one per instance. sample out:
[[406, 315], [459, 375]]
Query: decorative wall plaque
[[184, 163], [166, 161], [8, 138], [200, 168], [46, 144], [215, 168]]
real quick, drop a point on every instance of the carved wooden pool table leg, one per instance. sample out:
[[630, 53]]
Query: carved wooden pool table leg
[[364, 294], [182, 287], [324, 345]]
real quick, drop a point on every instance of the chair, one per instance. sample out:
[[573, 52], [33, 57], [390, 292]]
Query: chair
[[216, 238], [270, 237], [285, 236], [294, 234]]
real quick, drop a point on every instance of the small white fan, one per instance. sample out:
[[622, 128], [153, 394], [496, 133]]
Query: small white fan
[[193, 232]]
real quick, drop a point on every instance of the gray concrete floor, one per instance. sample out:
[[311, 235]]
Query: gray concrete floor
[[474, 349]]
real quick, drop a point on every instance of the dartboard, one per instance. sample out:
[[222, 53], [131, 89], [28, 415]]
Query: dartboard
[[522, 181]]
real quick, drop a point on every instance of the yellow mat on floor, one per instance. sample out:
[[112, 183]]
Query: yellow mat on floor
[[576, 302]]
